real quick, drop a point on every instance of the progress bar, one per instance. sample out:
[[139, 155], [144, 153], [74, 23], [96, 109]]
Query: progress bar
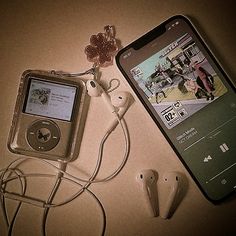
[[220, 173], [210, 133]]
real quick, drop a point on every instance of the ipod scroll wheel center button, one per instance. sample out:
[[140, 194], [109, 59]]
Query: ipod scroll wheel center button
[[43, 135]]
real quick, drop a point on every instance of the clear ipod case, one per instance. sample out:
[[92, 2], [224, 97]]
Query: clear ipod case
[[49, 116]]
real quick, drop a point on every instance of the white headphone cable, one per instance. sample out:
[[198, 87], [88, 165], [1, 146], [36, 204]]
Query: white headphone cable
[[90, 180], [51, 196], [57, 183], [10, 224], [65, 179]]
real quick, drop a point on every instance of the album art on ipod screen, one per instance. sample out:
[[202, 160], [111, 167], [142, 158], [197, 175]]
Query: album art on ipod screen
[[50, 99], [178, 81]]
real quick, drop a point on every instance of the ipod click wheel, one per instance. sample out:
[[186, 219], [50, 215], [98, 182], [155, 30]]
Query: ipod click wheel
[[43, 135]]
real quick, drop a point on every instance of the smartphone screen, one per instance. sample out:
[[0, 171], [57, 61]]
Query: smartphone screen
[[190, 98]]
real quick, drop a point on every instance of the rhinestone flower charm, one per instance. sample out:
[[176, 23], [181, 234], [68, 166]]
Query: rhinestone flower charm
[[102, 48]]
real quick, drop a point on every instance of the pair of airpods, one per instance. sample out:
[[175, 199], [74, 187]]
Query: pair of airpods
[[171, 183], [117, 104]]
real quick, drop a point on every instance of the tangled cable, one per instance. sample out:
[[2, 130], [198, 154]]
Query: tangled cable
[[13, 173]]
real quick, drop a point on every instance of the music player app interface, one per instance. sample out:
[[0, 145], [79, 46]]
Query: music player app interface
[[50, 99]]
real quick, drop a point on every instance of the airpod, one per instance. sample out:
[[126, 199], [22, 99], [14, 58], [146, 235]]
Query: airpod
[[171, 185], [147, 179]]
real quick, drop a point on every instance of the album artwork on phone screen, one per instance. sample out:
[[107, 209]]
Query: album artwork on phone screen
[[178, 81]]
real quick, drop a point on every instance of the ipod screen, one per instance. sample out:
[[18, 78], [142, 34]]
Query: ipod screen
[[50, 99]]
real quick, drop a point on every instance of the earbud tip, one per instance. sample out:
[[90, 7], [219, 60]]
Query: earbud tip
[[120, 99], [93, 88]]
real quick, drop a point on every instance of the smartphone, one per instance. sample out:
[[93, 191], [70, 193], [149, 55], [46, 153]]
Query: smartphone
[[190, 98], [49, 116]]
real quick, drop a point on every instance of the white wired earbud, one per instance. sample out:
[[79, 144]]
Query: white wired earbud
[[96, 90], [118, 103], [148, 180], [171, 183]]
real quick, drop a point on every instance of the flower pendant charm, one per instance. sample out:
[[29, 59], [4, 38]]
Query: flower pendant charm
[[102, 48]]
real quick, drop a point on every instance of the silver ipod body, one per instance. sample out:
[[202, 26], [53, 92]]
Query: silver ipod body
[[49, 116]]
